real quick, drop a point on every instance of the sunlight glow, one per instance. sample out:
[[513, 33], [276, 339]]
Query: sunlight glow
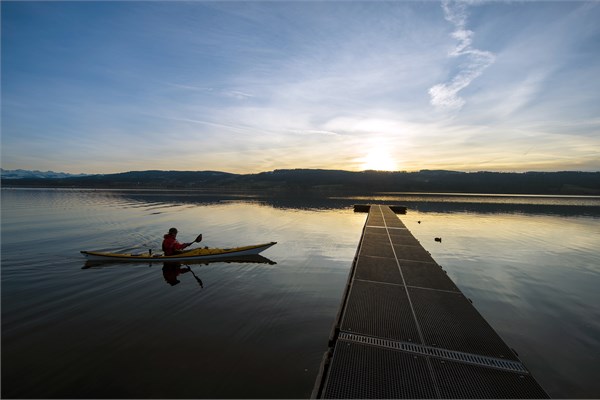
[[379, 159]]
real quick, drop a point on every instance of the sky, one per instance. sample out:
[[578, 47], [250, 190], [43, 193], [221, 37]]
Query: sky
[[245, 87]]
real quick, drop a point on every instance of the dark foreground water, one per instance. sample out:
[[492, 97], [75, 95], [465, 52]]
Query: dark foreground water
[[531, 265]]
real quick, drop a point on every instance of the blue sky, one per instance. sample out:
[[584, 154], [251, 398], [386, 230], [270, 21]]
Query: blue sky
[[101, 87]]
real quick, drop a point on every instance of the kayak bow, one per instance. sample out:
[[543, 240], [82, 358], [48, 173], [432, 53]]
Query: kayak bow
[[189, 255]]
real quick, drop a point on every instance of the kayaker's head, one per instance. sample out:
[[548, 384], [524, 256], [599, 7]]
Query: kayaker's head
[[173, 231]]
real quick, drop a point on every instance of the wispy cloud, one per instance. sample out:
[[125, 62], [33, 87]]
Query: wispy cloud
[[237, 94], [315, 132], [223, 92], [445, 95]]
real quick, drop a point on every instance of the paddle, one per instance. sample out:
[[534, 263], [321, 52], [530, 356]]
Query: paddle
[[195, 277], [197, 240]]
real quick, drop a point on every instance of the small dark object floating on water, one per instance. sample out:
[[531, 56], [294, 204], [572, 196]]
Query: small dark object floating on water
[[438, 240]]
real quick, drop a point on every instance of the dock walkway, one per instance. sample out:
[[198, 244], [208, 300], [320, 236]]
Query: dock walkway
[[405, 330]]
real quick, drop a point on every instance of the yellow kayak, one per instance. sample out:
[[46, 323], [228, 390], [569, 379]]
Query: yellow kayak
[[188, 255]]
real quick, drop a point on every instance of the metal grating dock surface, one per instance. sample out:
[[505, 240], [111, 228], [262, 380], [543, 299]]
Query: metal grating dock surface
[[370, 306], [377, 373], [406, 331]]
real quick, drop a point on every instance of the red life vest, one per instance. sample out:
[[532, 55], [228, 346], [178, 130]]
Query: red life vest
[[170, 245]]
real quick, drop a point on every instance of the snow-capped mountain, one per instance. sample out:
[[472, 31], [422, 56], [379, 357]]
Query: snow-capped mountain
[[22, 173]]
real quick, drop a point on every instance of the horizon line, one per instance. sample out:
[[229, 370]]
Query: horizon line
[[3, 170]]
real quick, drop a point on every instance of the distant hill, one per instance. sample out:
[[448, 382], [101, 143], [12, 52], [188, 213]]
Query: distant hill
[[22, 174], [337, 181]]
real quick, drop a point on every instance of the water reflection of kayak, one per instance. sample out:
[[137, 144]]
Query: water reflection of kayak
[[199, 254], [251, 259]]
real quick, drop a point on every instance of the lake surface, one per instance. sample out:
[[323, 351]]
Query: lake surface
[[531, 265]]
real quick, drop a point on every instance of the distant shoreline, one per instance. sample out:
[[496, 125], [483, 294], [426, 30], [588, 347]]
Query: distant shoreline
[[247, 192], [335, 182]]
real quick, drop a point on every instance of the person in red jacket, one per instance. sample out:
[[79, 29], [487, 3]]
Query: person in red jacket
[[171, 246]]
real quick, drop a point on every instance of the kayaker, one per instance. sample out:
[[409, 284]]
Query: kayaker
[[171, 246]]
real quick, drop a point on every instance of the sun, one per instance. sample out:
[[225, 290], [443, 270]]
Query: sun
[[379, 159]]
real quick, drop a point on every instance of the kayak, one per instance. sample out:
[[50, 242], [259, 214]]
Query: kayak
[[189, 255]]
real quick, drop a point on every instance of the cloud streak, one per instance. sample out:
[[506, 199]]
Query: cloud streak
[[445, 95]]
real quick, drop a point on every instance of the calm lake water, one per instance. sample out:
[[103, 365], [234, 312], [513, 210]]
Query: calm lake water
[[531, 265]]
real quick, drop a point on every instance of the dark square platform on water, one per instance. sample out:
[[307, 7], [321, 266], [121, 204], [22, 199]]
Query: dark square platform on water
[[364, 372], [376, 248], [463, 381], [380, 310], [426, 275], [379, 269], [414, 253], [449, 320]]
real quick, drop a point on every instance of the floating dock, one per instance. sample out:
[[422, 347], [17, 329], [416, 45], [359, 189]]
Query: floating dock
[[404, 330]]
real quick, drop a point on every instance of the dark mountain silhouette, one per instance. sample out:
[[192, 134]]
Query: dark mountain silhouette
[[318, 180]]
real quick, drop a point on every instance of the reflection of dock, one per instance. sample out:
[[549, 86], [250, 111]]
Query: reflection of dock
[[405, 330]]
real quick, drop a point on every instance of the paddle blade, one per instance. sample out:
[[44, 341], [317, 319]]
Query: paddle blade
[[198, 238]]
